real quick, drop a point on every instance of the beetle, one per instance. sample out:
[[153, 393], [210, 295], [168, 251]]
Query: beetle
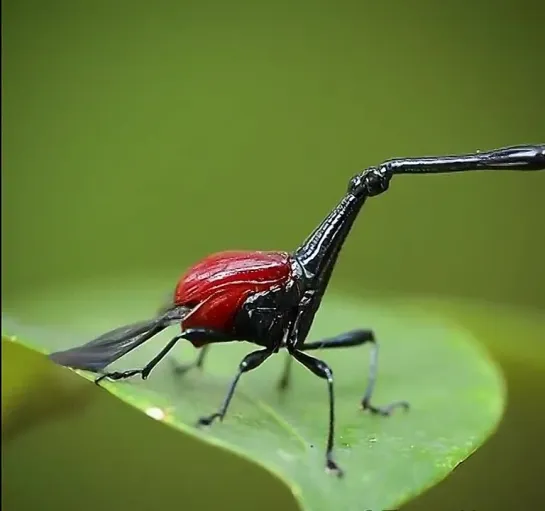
[[270, 298]]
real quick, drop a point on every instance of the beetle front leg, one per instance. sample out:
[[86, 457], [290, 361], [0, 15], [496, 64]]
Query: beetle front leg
[[346, 340], [357, 338], [305, 311], [249, 362], [322, 370]]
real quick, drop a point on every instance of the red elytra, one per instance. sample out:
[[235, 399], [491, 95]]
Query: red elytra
[[217, 285]]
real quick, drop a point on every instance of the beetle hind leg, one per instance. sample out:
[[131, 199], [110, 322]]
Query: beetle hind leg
[[200, 338], [118, 375], [198, 363], [146, 370]]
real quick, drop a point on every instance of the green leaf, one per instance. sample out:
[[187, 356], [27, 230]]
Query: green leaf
[[26, 376], [456, 393]]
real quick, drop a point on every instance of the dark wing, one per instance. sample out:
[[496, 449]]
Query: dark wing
[[99, 353]]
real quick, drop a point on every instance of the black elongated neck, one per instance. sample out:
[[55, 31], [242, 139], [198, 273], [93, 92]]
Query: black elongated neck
[[318, 253], [519, 157]]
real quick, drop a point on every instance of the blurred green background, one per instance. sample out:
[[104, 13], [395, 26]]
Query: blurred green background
[[138, 137]]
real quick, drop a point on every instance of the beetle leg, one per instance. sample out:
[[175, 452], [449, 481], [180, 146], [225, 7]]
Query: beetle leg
[[322, 370], [305, 311], [285, 379], [197, 363], [357, 338], [118, 375], [202, 337], [192, 334], [249, 362]]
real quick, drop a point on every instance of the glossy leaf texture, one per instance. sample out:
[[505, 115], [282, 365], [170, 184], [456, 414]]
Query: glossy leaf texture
[[456, 393]]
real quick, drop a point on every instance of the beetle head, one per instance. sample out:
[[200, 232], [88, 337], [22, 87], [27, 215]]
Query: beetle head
[[372, 181]]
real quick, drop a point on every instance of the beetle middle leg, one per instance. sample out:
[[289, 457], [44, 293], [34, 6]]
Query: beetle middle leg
[[249, 362], [345, 340], [285, 379]]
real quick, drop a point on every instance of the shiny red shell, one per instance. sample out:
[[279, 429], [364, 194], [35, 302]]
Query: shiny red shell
[[217, 285]]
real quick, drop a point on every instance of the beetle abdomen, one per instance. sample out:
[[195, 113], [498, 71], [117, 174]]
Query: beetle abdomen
[[218, 285], [218, 311]]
